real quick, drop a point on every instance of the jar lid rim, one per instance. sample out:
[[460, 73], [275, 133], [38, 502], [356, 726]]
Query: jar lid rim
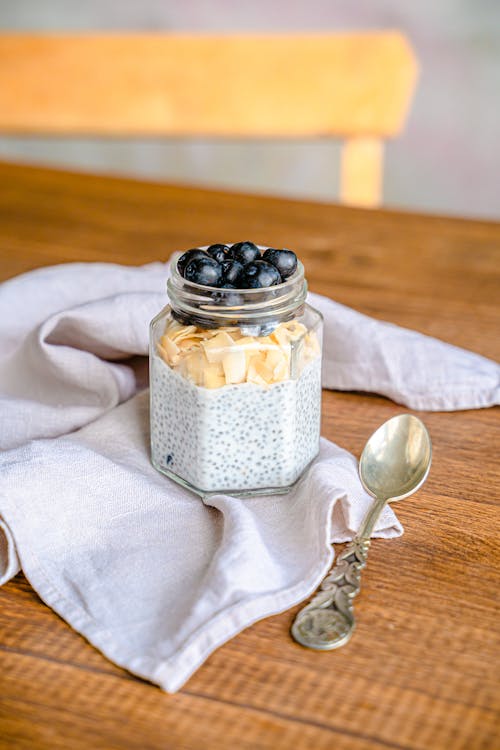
[[218, 306]]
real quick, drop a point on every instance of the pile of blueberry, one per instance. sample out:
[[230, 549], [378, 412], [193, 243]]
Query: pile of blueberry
[[238, 266]]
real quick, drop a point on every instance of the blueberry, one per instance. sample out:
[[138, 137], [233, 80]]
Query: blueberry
[[227, 298], [284, 260], [204, 271], [232, 271], [260, 274], [188, 256], [245, 252], [218, 252]]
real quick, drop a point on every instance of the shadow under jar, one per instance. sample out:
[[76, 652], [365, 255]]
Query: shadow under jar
[[235, 378]]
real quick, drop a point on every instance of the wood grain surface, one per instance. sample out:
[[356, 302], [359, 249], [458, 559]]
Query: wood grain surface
[[422, 669]]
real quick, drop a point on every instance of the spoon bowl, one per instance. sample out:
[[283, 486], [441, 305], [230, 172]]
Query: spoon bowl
[[396, 459]]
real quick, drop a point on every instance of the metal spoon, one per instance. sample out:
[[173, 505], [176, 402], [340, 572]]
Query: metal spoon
[[394, 464]]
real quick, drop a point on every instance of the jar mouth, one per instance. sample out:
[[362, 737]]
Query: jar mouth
[[213, 307]]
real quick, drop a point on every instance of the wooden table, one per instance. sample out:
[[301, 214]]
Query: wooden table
[[422, 670]]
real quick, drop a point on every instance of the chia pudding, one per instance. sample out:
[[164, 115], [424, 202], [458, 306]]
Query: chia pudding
[[235, 372], [237, 437]]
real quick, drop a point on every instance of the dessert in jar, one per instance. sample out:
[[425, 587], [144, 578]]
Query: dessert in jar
[[235, 372]]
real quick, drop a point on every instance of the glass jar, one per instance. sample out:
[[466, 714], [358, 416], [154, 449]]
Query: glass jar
[[235, 380]]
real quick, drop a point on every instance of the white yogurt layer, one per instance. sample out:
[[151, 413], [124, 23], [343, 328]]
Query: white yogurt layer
[[238, 437]]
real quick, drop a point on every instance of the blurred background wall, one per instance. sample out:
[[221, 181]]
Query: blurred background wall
[[447, 160]]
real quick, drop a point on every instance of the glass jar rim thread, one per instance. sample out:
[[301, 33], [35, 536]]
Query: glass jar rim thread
[[213, 307]]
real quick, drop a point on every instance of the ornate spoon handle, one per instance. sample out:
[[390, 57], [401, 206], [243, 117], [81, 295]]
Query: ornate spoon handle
[[327, 622]]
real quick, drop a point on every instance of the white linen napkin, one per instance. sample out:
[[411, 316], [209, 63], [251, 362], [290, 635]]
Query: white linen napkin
[[146, 571]]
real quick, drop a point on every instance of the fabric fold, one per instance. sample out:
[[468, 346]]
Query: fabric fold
[[147, 572], [9, 561], [423, 373]]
